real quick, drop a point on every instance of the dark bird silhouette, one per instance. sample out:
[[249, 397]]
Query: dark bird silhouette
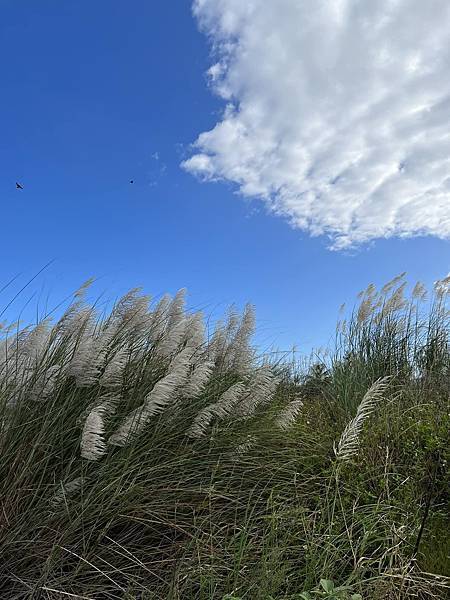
[[131, 181], [18, 186]]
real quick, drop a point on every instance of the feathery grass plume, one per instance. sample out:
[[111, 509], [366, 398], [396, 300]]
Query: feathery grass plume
[[244, 447], [85, 363], [419, 292], [93, 445], [198, 379], [81, 291], [392, 283], [76, 321], [242, 353], [163, 393], [172, 339], [221, 409], [36, 341], [77, 317], [194, 336], [158, 318], [217, 344], [442, 286], [65, 490], [261, 388], [287, 417], [175, 312], [396, 301], [130, 315], [112, 376], [349, 440], [369, 303], [220, 347]]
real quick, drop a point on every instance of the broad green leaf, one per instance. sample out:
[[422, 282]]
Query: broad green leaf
[[306, 596], [327, 585], [356, 597]]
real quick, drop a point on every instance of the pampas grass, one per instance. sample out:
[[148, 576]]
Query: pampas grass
[[347, 446], [145, 455]]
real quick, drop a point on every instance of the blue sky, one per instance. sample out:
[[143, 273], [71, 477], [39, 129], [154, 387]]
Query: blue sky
[[95, 95]]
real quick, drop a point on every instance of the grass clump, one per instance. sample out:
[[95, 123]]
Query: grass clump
[[142, 458]]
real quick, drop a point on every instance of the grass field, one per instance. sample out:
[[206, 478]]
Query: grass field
[[144, 457]]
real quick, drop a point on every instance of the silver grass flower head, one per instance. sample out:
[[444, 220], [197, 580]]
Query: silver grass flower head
[[163, 394], [158, 318], [37, 340], [112, 376], [396, 301], [260, 390], [130, 314], [194, 336], [175, 312], [81, 291], [93, 445], [164, 391], [244, 447], [442, 286], [365, 311], [218, 342], [419, 292], [198, 379], [349, 442], [220, 410], [229, 399], [288, 416], [371, 290], [392, 283], [172, 338], [241, 351], [201, 423], [232, 322], [77, 320], [86, 361]]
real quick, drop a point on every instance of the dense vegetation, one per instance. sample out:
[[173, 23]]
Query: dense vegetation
[[141, 457]]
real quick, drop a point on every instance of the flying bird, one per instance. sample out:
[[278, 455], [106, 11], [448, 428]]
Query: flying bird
[[18, 186], [131, 181]]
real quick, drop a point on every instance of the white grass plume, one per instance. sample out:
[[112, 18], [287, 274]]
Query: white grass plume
[[242, 353], [81, 291], [391, 284], [349, 442], [261, 388], [198, 379], [172, 338], [163, 393], [244, 447], [221, 409], [130, 314], [288, 416], [159, 318], [77, 320], [175, 311], [93, 445], [442, 286], [419, 292], [195, 331], [84, 366], [112, 376]]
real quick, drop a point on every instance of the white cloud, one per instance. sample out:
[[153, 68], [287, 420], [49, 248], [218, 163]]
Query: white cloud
[[337, 112]]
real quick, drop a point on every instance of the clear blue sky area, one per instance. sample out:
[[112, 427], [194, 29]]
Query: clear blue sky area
[[95, 94]]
